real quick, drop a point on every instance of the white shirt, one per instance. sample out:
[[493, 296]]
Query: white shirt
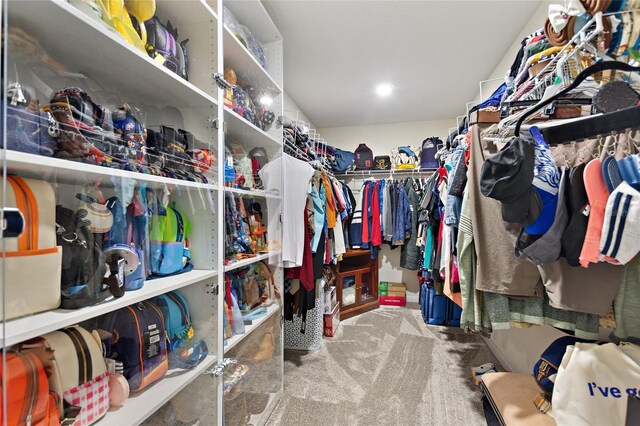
[[296, 186]]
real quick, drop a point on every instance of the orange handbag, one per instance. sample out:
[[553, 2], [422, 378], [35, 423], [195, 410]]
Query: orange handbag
[[29, 401]]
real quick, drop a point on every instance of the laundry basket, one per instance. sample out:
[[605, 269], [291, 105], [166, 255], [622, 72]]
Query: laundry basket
[[311, 339]]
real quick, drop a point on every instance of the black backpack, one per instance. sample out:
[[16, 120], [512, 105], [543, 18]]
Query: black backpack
[[364, 157], [428, 153]]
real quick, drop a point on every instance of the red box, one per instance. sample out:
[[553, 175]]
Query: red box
[[393, 300], [331, 322]]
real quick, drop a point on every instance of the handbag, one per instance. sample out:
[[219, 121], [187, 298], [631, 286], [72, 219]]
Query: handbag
[[29, 402], [79, 373], [32, 262], [184, 350], [138, 340], [382, 162]]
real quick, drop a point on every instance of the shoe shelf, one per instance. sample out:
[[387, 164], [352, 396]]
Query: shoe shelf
[[246, 262], [248, 134], [21, 329], [95, 51], [236, 339], [141, 405], [72, 172]]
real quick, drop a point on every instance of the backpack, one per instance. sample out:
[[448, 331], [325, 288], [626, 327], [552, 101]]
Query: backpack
[[345, 161], [168, 244], [27, 123], [428, 153], [162, 43], [26, 380], [84, 265], [405, 157], [137, 338], [132, 145], [382, 162], [363, 157], [184, 351], [78, 372]]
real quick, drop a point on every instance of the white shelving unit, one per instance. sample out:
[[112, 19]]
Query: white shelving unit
[[97, 59]]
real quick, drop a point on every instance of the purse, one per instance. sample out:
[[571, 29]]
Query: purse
[[29, 400], [32, 264], [79, 373], [138, 340]]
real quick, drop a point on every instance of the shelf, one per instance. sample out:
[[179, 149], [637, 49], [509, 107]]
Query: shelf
[[252, 193], [21, 329], [408, 172], [65, 171], [140, 406], [248, 329], [253, 14], [247, 68], [246, 262], [246, 133], [97, 51]]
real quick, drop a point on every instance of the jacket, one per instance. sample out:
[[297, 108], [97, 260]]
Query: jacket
[[410, 253], [402, 224]]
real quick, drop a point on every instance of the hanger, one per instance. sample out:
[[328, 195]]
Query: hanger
[[595, 68]]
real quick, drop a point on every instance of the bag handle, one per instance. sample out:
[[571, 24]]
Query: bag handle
[[595, 68], [28, 205]]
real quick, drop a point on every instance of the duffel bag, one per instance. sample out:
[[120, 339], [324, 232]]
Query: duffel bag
[[184, 350], [29, 400], [78, 372], [137, 339], [32, 264]]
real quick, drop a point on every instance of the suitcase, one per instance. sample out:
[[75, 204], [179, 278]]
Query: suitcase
[[29, 401], [33, 260], [78, 374], [432, 305], [454, 313]]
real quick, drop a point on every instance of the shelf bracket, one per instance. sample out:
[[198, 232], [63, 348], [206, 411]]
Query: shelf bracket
[[219, 368], [221, 82]]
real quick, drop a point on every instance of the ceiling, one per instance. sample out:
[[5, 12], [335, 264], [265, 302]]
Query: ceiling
[[434, 53]]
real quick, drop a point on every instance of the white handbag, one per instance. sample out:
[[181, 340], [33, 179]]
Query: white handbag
[[32, 262], [79, 372]]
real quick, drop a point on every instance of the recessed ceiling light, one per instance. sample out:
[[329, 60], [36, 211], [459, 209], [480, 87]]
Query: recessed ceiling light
[[266, 100], [384, 90]]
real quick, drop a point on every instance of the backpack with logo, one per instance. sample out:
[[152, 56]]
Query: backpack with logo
[[364, 157], [428, 153], [25, 378], [344, 161], [137, 338], [168, 240], [382, 162], [184, 351], [405, 157], [78, 372]]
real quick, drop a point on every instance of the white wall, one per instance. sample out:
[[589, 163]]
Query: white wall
[[290, 108], [381, 138]]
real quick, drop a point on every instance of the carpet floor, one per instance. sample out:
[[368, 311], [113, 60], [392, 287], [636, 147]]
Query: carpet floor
[[385, 367]]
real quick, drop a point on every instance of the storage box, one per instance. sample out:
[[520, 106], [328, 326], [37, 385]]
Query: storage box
[[396, 287], [331, 322], [393, 301], [396, 293], [330, 299], [383, 287]]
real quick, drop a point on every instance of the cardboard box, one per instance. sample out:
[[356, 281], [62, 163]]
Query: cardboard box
[[331, 322], [396, 293], [397, 287], [330, 299], [393, 301]]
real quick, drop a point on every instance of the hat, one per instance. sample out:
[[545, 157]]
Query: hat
[[598, 195], [630, 170], [573, 237], [260, 154], [546, 248], [611, 173], [621, 231], [507, 177]]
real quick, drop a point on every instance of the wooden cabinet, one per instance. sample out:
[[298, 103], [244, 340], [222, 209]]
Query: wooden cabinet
[[357, 283]]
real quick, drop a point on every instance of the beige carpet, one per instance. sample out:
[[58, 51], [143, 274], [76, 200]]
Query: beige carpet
[[385, 367]]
